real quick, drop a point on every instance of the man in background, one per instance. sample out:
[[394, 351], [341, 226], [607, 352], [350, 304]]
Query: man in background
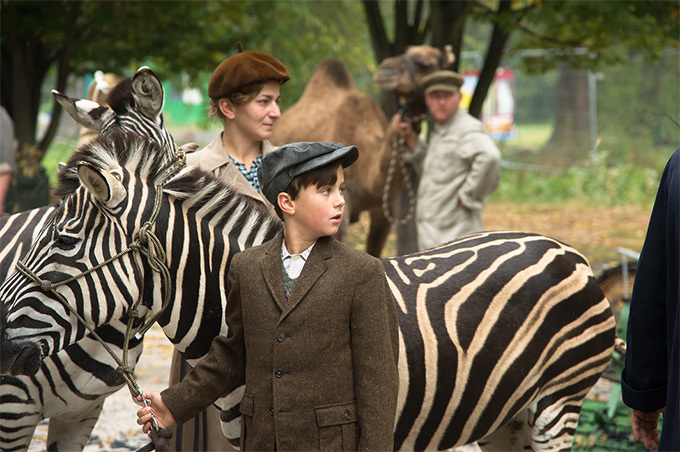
[[460, 165]]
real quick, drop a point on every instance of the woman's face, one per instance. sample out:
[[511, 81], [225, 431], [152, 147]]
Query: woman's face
[[256, 117]]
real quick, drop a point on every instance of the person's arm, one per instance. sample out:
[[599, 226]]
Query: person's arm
[[214, 375], [5, 179], [485, 170], [397, 125], [375, 351], [644, 379]]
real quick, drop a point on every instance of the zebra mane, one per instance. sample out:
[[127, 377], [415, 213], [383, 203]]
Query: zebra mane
[[147, 159], [121, 96]]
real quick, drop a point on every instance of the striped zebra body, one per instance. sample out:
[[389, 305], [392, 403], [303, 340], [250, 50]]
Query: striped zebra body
[[502, 334], [505, 334], [71, 385]]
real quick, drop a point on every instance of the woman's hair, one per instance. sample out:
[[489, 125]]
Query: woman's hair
[[320, 177], [245, 94]]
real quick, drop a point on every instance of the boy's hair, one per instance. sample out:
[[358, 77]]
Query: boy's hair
[[320, 177]]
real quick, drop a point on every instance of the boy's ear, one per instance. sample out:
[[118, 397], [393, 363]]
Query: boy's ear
[[226, 108], [286, 203]]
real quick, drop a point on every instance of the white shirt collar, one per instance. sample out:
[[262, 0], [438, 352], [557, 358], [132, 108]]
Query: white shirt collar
[[293, 263]]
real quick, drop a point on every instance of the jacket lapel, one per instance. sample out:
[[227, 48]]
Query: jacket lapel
[[311, 272], [272, 271]]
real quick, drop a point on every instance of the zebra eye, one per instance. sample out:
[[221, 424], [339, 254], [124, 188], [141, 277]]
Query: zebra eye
[[65, 242]]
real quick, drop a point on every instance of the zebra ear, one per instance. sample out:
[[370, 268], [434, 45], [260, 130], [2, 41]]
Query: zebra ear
[[87, 113], [148, 93], [102, 184]]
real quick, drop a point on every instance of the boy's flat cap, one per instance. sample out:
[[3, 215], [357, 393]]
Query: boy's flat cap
[[281, 166], [442, 81], [242, 69]]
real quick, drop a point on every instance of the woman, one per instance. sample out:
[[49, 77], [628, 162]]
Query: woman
[[244, 96]]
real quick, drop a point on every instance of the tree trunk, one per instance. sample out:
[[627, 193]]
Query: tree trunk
[[570, 140], [499, 38], [447, 21]]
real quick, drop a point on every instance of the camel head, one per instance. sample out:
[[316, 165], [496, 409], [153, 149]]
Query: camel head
[[402, 74]]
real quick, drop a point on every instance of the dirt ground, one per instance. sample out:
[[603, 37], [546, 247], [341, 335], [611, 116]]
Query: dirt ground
[[596, 231]]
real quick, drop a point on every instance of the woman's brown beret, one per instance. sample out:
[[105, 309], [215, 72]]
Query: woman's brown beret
[[242, 69]]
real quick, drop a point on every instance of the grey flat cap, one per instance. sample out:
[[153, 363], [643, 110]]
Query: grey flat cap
[[443, 80], [280, 166]]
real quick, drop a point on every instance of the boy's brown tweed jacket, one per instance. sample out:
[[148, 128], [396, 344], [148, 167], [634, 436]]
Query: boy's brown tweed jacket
[[320, 368]]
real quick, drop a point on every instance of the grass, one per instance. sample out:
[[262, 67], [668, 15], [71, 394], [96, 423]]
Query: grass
[[532, 136], [59, 151]]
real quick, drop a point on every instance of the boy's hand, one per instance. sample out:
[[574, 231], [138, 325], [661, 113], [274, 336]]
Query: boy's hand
[[645, 428], [157, 407]]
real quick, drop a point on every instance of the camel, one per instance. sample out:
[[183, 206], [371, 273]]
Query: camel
[[402, 75], [332, 109]]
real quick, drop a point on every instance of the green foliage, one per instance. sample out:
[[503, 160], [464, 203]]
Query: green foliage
[[596, 34], [59, 152], [594, 183], [598, 432]]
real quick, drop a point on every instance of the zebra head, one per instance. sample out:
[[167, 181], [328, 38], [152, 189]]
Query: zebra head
[[86, 265], [135, 105], [103, 255]]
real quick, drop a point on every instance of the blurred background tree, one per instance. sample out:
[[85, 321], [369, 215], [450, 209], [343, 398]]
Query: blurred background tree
[[57, 40]]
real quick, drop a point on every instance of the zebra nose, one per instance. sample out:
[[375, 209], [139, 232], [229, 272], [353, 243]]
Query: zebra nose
[[19, 358]]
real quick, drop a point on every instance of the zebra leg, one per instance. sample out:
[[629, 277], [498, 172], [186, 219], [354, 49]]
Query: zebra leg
[[20, 412], [71, 431], [552, 429]]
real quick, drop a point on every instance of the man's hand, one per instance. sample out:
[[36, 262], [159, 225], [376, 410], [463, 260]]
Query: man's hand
[[645, 428], [397, 125], [156, 407]]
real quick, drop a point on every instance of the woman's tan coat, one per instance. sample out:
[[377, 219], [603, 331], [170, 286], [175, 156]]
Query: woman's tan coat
[[215, 160]]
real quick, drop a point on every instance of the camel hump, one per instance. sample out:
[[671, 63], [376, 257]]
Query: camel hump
[[332, 72]]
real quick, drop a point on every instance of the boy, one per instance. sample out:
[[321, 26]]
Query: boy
[[312, 324]]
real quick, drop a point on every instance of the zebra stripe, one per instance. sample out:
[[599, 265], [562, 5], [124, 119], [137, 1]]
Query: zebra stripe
[[480, 352], [502, 333], [71, 386]]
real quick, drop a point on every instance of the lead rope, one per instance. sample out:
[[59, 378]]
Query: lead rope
[[398, 149], [148, 245]]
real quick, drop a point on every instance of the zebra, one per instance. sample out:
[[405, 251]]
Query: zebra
[[71, 386], [502, 334]]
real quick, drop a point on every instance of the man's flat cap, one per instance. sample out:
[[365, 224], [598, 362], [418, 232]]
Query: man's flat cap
[[442, 81], [281, 166], [243, 69]]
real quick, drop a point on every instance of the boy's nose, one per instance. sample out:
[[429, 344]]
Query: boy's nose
[[339, 200]]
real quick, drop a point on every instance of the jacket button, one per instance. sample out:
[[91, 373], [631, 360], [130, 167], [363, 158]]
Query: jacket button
[[281, 337], [271, 411], [278, 373], [348, 416]]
